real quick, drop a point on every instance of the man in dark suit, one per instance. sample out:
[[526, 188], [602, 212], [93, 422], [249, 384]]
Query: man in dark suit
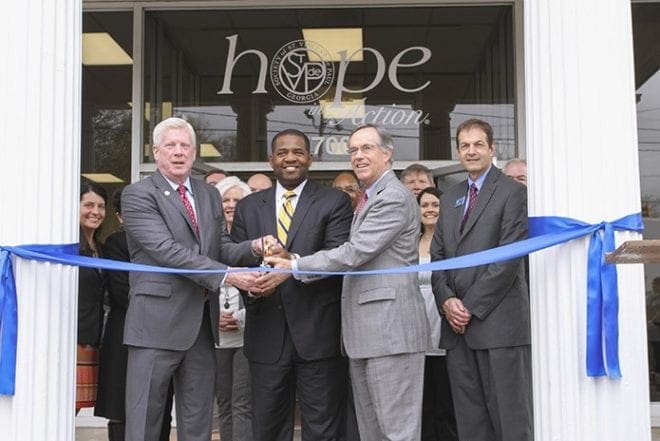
[[486, 330], [172, 320], [292, 333]]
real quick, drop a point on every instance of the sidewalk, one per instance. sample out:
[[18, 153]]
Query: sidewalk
[[100, 434]]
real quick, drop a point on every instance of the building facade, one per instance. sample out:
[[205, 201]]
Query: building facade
[[573, 87]]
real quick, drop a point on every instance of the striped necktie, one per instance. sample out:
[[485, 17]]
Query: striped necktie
[[471, 201], [189, 208], [285, 216]]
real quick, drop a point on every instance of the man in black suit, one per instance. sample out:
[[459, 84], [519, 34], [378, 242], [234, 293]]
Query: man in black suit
[[486, 325], [292, 333]]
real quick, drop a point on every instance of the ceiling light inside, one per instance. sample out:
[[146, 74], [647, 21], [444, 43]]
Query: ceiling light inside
[[208, 150], [103, 178], [335, 40], [100, 49], [347, 108]]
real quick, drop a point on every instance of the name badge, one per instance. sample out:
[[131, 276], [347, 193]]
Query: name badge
[[459, 202]]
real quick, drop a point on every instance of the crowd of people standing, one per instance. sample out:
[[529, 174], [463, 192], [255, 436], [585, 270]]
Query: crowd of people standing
[[431, 356]]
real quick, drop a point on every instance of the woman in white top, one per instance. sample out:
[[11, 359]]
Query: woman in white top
[[438, 421], [232, 379]]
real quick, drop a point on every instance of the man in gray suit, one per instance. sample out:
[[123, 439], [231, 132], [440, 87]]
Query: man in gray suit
[[486, 330], [172, 320], [384, 327]]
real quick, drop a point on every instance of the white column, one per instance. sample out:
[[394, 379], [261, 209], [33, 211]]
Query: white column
[[40, 131], [583, 163]]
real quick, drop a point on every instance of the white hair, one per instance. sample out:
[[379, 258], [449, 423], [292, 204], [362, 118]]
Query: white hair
[[173, 123], [231, 182]]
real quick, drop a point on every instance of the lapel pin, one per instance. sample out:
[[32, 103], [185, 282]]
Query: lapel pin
[[459, 202], [166, 192]]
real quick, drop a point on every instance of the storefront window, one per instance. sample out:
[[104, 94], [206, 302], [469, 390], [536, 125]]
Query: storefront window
[[106, 97], [240, 76], [646, 32]]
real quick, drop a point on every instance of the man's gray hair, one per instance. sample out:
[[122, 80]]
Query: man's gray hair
[[514, 161], [173, 123], [386, 140]]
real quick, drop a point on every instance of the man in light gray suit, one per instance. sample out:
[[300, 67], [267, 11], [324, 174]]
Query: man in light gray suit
[[172, 320], [384, 326], [487, 327]]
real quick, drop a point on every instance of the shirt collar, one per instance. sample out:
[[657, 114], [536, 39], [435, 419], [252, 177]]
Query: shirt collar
[[480, 180], [175, 186], [373, 186], [280, 190]]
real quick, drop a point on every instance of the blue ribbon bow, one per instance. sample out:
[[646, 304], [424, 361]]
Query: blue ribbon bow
[[602, 286], [544, 232]]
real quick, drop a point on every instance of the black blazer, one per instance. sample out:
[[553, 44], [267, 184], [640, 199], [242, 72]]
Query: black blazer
[[91, 287], [111, 399], [322, 220]]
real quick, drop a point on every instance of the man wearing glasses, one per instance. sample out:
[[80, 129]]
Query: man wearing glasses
[[384, 326]]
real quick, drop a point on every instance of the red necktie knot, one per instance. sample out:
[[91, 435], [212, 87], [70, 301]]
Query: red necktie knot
[[361, 203]]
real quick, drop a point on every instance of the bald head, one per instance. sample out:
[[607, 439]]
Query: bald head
[[258, 182], [348, 183]]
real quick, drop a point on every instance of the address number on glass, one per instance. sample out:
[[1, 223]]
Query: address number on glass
[[330, 145]]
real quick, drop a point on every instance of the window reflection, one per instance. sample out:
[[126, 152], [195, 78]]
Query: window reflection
[[414, 70], [106, 97]]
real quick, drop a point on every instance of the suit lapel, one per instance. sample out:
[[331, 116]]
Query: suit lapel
[[267, 216], [485, 194], [173, 197], [305, 201], [458, 210], [382, 184], [203, 209]]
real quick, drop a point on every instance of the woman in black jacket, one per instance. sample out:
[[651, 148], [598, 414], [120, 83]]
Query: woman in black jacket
[[91, 288]]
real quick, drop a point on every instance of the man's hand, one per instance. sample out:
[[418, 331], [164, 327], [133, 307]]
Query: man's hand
[[244, 281], [266, 246], [228, 322], [456, 314], [266, 284], [279, 262]]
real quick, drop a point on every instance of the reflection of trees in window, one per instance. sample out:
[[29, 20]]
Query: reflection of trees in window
[[111, 142]]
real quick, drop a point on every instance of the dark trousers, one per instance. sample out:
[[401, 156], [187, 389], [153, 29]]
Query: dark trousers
[[492, 392], [321, 387], [438, 419]]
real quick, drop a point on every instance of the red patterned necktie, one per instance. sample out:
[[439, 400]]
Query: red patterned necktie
[[189, 208], [361, 203], [471, 201]]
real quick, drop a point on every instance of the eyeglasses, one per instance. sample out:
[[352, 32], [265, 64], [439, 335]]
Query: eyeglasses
[[348, 189], [364, 148]]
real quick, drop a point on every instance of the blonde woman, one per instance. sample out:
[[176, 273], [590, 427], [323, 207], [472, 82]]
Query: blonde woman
[[232, 380]]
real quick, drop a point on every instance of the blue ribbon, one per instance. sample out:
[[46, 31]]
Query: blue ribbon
[[544, 232], [8, 325], [602, 287]]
